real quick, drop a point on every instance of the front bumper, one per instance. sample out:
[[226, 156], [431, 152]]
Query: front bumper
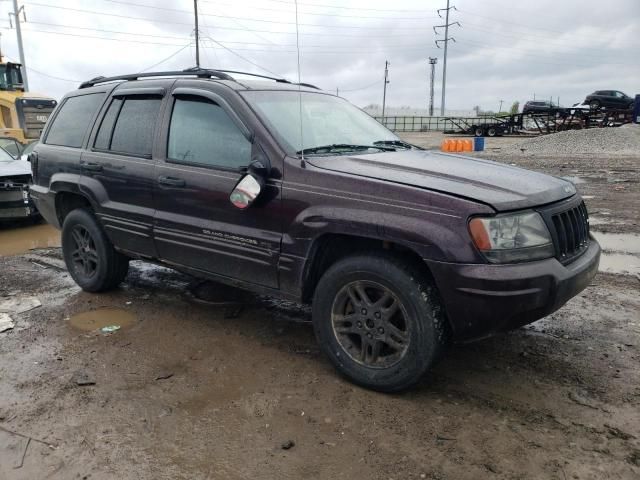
[[481, 299], [15, 202]]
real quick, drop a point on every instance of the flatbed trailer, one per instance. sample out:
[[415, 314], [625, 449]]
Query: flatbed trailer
[[555, 120]]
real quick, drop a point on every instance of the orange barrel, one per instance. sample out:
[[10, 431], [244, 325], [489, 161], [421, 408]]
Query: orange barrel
[[459, 145], [468, 145]]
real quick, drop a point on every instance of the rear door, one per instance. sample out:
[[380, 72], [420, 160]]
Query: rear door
[[118, 167], [208, 147]]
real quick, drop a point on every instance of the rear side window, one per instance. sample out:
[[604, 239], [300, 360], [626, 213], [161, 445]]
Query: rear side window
[[128, 125], [72, 121], [201, 132]]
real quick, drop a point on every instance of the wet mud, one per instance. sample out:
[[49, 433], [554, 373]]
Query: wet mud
[[207, 382]]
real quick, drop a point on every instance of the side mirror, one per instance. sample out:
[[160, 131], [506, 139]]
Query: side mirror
[[246, 191]]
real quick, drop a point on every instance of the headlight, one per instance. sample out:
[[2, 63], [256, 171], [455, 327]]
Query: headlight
[[512, 238]]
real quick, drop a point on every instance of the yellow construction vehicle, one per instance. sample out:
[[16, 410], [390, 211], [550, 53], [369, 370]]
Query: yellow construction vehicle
[[22, 115]]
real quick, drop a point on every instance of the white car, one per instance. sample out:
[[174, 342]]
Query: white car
[[15, 178]]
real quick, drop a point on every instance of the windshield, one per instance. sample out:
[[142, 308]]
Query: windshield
[[5, 156], [10, 77], [326, 120]]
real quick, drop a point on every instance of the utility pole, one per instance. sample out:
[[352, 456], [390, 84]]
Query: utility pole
[[16, 16], [500, 109], [195, 10], [384, 92], [446, 44], [432, 62]]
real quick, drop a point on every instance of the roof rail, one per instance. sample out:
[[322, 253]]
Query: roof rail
[[277, 79], [200, 73]]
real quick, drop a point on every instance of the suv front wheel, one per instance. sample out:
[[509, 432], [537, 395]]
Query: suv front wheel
[[379, 321], [90, 257]]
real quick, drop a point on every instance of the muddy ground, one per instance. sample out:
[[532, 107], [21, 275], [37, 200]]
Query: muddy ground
[[193, 390]]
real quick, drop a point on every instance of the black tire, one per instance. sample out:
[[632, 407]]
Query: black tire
[[90, 257], [478, 132], [594, 104], [492, 132], [423, 320], [632, 105]]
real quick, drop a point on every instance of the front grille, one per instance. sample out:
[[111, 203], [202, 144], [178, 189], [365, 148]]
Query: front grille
[[15, 180], [571, 232], [33, 114], [35, 119]]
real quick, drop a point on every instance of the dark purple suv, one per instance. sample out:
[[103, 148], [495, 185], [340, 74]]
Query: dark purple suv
[[286, 190]]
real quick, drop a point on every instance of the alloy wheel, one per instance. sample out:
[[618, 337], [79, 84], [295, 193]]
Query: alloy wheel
[[370, 323], [84, 254]]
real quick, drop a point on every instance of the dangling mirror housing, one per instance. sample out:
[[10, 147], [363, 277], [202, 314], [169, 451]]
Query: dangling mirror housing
[[246, 191]]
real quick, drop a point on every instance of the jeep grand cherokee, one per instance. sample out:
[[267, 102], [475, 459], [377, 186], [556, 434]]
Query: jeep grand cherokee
[[290, 191]]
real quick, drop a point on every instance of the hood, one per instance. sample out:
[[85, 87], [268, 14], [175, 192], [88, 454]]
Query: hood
[[501, 186], [13, 168]]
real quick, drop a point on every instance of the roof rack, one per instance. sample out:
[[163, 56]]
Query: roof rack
[[199, 72]]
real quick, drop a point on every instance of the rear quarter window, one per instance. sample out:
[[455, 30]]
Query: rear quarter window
[[72, 121], [129, 125]]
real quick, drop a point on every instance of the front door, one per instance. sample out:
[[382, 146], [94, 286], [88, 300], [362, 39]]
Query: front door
[[195, 224]]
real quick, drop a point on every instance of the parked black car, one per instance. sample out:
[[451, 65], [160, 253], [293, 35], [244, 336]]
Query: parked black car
[[613, 99], [398, 249], [535, 106]]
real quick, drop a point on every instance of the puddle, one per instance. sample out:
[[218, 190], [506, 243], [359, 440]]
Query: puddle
[[620, 263], [15, 240], [621, 252], [102, 317], [619, 242], [604, 221], [574, 180]]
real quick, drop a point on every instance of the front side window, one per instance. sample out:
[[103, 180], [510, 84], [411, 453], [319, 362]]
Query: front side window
[[202, 133], [72, 121]]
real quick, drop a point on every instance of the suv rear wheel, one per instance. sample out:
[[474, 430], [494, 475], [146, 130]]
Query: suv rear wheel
[[90, 257], [379, 321]]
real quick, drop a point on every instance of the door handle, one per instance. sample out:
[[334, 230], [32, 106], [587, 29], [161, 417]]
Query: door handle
[[171, 181], [92, 167]]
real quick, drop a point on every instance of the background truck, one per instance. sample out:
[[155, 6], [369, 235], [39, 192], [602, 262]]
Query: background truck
[[22, 115]]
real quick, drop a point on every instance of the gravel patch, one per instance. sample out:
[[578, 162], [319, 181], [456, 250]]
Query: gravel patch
[[623, 140]]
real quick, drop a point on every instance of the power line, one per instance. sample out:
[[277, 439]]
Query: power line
[[343, 7], [167, 58], [262, 20], [341, 15], [244, 58], [151, 20]]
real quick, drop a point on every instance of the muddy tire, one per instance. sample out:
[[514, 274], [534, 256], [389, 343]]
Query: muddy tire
[[492, 132], [90, 257], [379, 321]]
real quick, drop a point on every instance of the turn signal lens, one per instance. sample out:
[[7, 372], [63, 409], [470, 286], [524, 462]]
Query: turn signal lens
[[479, 234]]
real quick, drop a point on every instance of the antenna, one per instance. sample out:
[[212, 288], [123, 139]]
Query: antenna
[[302, 162]]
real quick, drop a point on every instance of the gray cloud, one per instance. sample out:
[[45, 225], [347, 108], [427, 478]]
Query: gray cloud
[[505, 50]]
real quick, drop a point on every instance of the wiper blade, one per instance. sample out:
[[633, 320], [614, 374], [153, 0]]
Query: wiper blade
[[397, 143], [343, 146]]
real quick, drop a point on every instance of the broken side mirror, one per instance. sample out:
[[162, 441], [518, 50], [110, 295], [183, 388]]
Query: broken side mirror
[[246, 191]]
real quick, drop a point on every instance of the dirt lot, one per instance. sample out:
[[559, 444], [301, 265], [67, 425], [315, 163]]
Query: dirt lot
[[188, 389]]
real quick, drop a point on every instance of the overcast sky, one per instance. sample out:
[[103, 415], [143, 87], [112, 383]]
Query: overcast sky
[[504, 50]]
